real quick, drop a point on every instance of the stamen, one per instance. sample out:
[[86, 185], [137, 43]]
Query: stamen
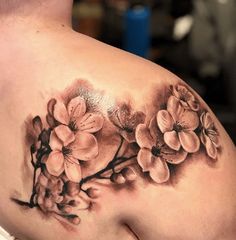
[[156, 151], [178, 127], [72, 125], [66, 151]]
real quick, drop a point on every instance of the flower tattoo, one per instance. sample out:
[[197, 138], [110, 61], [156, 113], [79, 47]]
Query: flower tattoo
[[209, 135], [73, 135], [126, 121], [155, 153], [186, 98], [178, 125]]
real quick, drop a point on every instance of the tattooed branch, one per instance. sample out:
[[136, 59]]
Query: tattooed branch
[[73, 136]]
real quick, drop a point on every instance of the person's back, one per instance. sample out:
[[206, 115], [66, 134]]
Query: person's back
[[99, 144]]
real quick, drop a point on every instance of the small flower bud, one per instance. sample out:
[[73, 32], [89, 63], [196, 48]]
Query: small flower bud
[[73, 203], [42, 180], [44, 158], [48, 203], [93, 192], [58, 199], [129, 174], [117, 178], [51, 105], [75, 220], [37, 124], [40, 200], [72, 189], [44, 136], [67, 209]]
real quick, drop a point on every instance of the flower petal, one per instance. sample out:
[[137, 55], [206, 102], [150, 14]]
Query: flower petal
[[175, 157], [203, 136], [189, 141], [211, 148], [165, 121], [54, 142], [194, 105], [144, 159], [85, 146], [172, 140], [76, 108], [184, 93], [91, 122], [73, 171], [213, 135], [129, 137], [60, 113], [51, 105], [51, 121], [72, 159], [64, 134], [143, 137], [184, 104], [175, 92], [55, 163], [207, 121], [189, 120], [159, 172], [175, 108], [155, 132], [37, 124], [42, 180]]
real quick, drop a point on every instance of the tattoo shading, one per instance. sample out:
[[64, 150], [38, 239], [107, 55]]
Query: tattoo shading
[[73, 136]]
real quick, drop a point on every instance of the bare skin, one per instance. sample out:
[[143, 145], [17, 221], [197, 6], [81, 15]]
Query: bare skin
[[40, 56]]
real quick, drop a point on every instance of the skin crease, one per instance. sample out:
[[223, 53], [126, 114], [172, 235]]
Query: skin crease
[[41, 55]]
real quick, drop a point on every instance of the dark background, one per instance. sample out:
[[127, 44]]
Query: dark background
[[194, 39]]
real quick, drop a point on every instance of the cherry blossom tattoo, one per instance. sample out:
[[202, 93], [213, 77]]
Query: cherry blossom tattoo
[[80, 124]]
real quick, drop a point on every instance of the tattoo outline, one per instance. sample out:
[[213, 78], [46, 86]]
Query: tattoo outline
[[70, 138]]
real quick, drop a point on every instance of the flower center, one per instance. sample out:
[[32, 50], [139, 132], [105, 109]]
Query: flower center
[[156, 151], [66, 151], [178, 127], [184, 96], [72, 125]]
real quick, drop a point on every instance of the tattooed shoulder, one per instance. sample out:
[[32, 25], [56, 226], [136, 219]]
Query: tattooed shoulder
[[86, 136]]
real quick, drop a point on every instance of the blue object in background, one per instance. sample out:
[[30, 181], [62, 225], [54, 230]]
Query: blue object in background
[[137, 30]]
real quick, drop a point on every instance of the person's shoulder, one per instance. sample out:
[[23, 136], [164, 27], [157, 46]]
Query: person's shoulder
[[102, 127]]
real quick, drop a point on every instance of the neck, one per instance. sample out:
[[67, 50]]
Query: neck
[[35, 12]]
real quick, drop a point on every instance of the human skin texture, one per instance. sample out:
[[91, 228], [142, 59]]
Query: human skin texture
[[72, 148], [99, 144]]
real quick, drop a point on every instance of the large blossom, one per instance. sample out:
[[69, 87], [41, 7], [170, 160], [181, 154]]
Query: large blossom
[[126, 121], [186, 98], [178, 125], [209, 135], [65, 157], [154, 153], [73, 119]]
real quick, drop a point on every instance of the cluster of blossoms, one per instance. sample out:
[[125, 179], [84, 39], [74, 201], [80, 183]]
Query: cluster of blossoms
[[72, 139], [175, 132], [58, 153], [182, 128], [58, 196]]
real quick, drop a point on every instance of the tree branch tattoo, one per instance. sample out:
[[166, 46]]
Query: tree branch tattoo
[[71, 135]]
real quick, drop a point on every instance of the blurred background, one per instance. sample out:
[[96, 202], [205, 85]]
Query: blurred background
[[195, 39]]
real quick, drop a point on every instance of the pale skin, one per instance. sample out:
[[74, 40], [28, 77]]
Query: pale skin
[[40, 57]]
